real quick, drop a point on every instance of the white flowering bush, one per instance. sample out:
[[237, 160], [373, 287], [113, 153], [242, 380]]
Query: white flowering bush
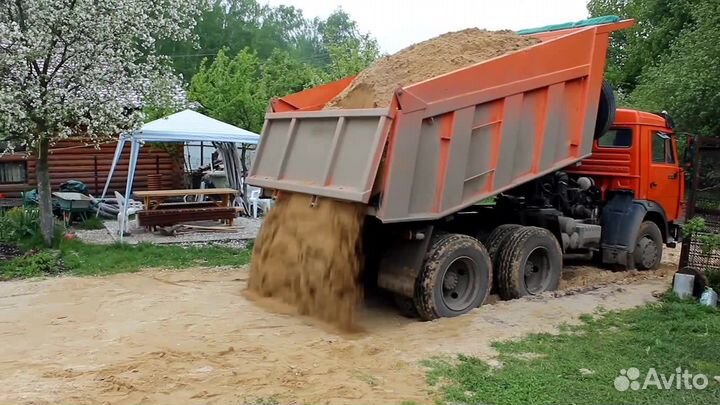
[[84, 67]]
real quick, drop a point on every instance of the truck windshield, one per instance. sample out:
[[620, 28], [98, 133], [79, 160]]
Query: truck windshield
[[616, 138]]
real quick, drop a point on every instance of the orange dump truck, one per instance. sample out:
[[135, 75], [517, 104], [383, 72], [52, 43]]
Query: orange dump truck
[[486, 177]]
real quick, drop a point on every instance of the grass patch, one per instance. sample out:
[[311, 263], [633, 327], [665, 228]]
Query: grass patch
[[80, 258], [91, 222], [580, 364], [85, 259], [32, 264]]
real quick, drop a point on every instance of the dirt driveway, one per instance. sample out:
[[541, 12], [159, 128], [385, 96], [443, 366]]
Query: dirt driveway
[[191, 337]]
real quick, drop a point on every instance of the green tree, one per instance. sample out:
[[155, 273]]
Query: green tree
[[349, 51], [283, 74], [658, 23], [670, 60], [228, 89], [350, 57], [82, 67], [334, 45], [686, 81]]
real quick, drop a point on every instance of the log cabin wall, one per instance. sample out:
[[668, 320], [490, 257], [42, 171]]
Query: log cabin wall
[[74, 160]]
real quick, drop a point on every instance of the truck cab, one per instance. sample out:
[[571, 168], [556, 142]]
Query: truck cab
[[638, 155]]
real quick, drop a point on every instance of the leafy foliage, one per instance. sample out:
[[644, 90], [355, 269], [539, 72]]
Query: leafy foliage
[[23, 225], [228, 90], [19, 223], [235, 25], [267, 52], [669, 61], [83, 67], [658, 23], [693, 226], [687, 80], [697, 228], [713, 279], [237, 90]]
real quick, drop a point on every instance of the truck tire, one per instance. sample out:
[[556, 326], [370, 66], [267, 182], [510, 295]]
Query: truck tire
[[455, 277], [498, 237], [606, 110], [529, 263], [649, 247]]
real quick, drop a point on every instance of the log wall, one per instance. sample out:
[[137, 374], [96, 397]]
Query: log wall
[[75, 160]]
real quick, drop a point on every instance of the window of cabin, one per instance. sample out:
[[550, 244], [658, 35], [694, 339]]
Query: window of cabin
[[616, 138], [14, 172], [662, 151]]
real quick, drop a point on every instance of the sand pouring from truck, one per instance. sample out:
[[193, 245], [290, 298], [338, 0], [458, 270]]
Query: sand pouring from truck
[[484, 177]]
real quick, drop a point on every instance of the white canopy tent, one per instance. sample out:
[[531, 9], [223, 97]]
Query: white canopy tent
[[184, 126]]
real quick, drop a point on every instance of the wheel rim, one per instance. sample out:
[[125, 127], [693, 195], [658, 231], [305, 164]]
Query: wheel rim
[[537, 271], [459, 284], [648, 251]]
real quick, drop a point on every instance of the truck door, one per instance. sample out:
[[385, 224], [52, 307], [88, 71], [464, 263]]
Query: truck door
[[665, 176]]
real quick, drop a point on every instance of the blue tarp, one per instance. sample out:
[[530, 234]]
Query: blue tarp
[[577, 24]]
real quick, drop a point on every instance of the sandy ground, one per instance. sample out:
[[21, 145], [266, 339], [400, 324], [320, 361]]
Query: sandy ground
[[191, 337]]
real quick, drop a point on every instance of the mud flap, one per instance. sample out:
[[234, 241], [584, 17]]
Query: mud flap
[[401, 261], [621, 219]]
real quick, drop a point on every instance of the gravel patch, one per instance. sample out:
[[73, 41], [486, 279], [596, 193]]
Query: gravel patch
[[244, 229]]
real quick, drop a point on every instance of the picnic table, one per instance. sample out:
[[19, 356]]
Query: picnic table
[[152, 198], [159, 213]]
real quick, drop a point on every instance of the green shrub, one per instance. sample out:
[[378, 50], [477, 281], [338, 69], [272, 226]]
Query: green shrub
[[19, 223], [33, 264], [22, 225], [713, 278]]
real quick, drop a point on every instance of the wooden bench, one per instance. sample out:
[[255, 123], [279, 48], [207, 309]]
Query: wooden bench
[[186, 205], [172, 216]]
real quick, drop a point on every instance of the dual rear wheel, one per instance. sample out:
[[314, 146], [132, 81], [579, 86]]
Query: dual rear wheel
[[457, 273]]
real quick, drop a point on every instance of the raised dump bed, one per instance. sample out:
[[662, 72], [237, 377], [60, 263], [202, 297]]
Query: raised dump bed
[[444, 143]]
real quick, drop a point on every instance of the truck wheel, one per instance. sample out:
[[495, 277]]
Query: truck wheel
[[649, 247], [498, 237], [529, 263], [455, 278]]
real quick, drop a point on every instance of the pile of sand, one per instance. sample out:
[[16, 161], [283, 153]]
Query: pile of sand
[[374, 86], [309, 257]]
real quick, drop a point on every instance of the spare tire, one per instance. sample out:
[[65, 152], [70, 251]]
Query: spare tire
[[606, 110]]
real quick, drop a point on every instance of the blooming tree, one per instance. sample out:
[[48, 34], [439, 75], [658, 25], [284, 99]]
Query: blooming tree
[[83, 68]]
